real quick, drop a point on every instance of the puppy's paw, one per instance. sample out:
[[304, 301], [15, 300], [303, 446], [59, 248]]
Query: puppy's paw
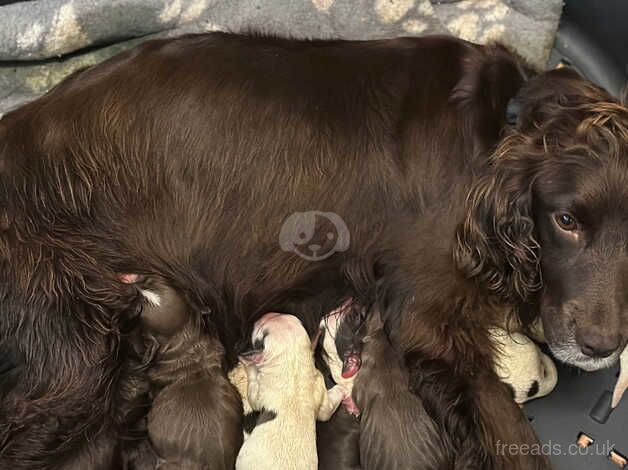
[[332, 400], [338, 393], [350, 406]]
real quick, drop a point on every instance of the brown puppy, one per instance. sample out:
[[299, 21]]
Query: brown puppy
[[338, 442], [195, 419], [396, 431]]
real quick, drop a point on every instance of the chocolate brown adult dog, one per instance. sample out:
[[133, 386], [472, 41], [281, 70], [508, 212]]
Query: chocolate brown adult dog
[[184, 158]]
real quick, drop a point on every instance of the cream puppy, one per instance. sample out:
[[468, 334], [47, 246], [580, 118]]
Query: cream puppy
[[521, 364], [622, 381], [290, 394]]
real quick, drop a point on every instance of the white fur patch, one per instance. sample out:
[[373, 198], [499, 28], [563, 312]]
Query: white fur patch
[[153, 297], [570, 353]]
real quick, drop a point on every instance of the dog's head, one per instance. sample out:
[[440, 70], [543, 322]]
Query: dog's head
[[548, 223]]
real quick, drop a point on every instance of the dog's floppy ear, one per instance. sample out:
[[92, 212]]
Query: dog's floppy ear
[[491, 77], [495, 244]]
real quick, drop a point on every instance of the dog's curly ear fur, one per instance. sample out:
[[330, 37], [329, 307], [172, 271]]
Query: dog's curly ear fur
[[556, 111], [495, 244]]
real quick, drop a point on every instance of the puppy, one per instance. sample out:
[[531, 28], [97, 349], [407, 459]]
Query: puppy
[[395, 429], [195, 419], [622, 380], [290, 394], [338, 440], [520, 363], [348, 340]]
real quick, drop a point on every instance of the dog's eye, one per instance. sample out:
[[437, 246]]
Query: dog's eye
[[566, 221]]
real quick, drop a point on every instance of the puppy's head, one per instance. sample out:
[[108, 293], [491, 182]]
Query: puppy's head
[[277, 335], [343, 332], [164, 311]]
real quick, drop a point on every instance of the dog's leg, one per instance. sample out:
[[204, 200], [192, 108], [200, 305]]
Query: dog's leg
[[331, 400]]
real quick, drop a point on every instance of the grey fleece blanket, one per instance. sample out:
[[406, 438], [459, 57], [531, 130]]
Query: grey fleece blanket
[[42, 41]]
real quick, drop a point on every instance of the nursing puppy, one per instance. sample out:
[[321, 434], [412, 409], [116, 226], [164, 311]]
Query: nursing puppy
[[195, 419], [521, 364], [338, 440], [395, 430], [290, 393]]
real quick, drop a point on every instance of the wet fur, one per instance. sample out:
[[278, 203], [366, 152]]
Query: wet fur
[[195, 416], [195, 421]]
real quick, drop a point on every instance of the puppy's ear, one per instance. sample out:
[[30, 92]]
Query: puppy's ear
[[496, 242]]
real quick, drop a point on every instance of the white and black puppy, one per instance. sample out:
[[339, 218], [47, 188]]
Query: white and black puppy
[[284, 384], [338, 440]]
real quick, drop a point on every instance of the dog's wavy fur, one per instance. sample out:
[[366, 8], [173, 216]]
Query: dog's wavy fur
[[183, 157], [561, 114]]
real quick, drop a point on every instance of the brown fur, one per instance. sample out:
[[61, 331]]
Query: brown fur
[[184, 157], [567, 154], [195, 419], [395, 430], [338, 442]]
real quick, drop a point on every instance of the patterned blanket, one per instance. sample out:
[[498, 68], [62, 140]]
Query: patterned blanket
[[42, 41]]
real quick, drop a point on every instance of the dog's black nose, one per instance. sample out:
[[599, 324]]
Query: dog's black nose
[[595, 345]]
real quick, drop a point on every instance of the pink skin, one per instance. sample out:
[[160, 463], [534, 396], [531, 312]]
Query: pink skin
[[250, 359], [265, 319], [128, 278], [257, 357], [350, 406], [351, 365]]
